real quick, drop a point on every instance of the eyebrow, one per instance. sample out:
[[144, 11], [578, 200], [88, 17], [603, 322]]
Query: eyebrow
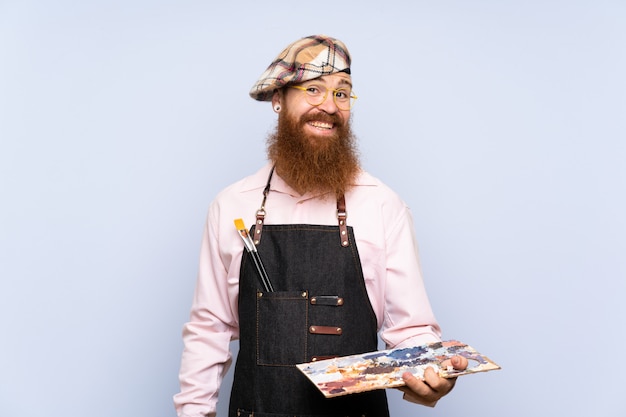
[[345, 82], [342, 82]]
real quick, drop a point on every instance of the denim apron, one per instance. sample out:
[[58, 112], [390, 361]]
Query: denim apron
[[319, 309]]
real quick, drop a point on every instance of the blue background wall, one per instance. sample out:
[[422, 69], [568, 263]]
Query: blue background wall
[[501, 123]]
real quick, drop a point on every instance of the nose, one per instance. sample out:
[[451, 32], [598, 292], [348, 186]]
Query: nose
[[329, 105]]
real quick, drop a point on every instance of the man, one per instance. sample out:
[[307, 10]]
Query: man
[[339, 280]]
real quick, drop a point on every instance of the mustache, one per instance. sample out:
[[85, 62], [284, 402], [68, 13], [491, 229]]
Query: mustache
[[322, 117]]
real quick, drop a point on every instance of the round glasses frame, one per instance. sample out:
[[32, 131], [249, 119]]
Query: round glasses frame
[[314, 96]]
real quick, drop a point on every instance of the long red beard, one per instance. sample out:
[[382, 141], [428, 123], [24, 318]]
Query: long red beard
[[308, 163]]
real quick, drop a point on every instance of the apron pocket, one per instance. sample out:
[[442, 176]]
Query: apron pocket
[[282, 327]]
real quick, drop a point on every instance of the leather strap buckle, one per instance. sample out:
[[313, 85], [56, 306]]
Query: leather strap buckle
[[342, 215]]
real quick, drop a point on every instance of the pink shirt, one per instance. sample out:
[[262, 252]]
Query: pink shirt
[[385, 239]]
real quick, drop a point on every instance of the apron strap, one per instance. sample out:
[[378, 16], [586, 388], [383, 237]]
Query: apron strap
[[342, 215], [260, 213]]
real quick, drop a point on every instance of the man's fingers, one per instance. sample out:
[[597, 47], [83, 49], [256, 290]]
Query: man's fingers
[[458, 362], [440, 386], [418, 391], [429, 390], [415, 384]]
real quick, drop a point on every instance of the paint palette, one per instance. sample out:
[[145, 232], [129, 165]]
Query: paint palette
[[383, 369]]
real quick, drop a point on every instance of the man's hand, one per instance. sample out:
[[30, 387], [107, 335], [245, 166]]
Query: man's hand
[[428, 391]]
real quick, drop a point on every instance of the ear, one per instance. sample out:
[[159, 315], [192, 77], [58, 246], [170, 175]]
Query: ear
[[277, 99]]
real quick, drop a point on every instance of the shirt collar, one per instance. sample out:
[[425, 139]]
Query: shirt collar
[[259, 180]]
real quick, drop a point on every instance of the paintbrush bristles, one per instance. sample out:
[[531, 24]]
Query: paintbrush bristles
[[247, 241], [239, 224]]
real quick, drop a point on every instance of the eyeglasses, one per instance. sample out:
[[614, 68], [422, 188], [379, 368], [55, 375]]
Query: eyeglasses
[[316, 95]]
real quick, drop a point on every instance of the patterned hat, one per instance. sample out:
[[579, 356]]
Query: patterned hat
[[303, 60]]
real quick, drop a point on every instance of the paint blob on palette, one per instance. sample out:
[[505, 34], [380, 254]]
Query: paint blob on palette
[[383, 369]]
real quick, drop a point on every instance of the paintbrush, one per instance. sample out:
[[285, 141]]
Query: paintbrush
[[251, 247]]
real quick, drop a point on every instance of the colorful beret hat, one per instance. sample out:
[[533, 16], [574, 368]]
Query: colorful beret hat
[[303, 60]]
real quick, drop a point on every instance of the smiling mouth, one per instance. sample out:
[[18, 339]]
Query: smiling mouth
[[321, 125]]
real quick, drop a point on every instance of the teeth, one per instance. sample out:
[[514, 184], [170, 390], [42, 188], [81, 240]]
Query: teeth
[[322, 125]]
